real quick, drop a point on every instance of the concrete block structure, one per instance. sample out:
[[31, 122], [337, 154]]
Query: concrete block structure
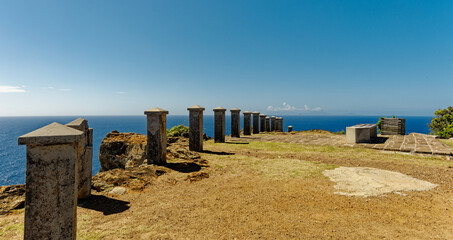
[[268, 124], [156, 133], [273, 123], [235, 122], [247, 123], [85, 153], [196, 128], [51, 186], [256, 122], [360, 133], [262, 122], [219, 124]]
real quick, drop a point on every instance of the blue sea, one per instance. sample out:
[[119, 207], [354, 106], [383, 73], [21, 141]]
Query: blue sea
[[12, 156]]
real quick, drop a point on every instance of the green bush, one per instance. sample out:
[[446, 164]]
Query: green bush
[[442, 124], [178, 131], [379, 123]]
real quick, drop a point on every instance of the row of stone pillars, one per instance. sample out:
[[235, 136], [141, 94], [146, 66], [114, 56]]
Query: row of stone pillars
[[59, 163], [58, 172]]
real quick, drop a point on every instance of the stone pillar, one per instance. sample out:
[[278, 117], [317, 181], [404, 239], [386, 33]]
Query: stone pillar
[[268, 124], [156, 125], [247, 123], [290, 128], [263, 122], [256, 122], [273, 123], [196, 128], [277, 124], [85, 152], [235, 122], [280, 124], [219, 124], [51, 182]]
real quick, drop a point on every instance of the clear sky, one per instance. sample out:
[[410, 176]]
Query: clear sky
[[287, 57]]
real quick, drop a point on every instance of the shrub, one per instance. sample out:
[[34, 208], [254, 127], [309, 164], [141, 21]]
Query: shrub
[[442, 124], [379, 123], [178, 131]]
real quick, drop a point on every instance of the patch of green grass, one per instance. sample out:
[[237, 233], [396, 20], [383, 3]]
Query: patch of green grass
[[448, 142], [8, 229], [334, 152]]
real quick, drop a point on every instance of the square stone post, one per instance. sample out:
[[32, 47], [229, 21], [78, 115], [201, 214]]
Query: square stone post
[[263, 122], [85, 152], [268, 124], [219, 124], [156, 122], [51, 182], [273, 123], [281, 124], [290, 128], [196, 128], [247, 123], [256, 122], [277, 124], [235, 122]]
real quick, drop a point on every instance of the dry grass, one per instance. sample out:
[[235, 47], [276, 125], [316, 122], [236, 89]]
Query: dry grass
[[274, 191]]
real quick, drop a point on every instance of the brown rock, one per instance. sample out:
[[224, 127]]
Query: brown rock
[[122, 150], [11, 197]]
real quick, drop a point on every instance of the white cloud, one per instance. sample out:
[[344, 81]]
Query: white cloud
[[121, 92], [11, 89], [287, 107]]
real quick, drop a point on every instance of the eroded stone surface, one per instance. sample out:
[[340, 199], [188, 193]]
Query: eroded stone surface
[[122, 150], [365, 181]]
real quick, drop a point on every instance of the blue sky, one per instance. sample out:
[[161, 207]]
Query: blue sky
[[276, 57]]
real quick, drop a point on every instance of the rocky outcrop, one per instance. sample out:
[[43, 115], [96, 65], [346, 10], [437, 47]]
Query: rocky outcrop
[[122, 150], [134, 178], [11, 197]]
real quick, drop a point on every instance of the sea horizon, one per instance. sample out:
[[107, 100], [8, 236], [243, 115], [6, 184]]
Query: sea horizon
[[13, 156]]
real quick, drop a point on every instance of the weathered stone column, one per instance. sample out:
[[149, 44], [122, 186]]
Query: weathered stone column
[[219, 124], [196, 128], [277, 124], [263, 122], [51, 182], [281, 124], [256, 122], [273, 123], [268, 124], [290, 128], [235, 122], [247, 123], [156, 124], [85, 152]]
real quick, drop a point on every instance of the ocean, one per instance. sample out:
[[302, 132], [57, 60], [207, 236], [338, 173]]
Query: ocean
[[12, 156]]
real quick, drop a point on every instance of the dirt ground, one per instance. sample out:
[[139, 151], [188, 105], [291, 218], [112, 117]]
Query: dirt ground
[[270, 190]]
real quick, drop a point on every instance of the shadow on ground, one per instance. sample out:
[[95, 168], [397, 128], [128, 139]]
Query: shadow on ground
[[184, 167], [217, 153], [236, 142], [104, 204]]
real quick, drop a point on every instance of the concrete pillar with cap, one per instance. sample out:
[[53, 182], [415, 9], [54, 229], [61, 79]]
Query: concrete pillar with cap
[[196, 128], [51, 185], [156, 121], [235, 122], [247, 123], [256, 122], [219, 124]]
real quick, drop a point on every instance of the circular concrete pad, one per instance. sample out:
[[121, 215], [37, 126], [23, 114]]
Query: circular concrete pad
[[364, 181]]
